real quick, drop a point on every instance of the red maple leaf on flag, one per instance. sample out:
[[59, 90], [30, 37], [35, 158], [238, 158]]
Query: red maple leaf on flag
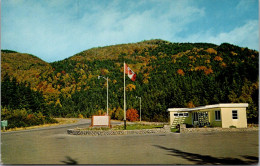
[[130, 73]]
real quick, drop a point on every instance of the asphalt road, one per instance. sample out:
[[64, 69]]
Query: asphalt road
[[55, 146]]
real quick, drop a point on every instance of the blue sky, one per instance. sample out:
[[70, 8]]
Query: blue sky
[[57, 29]]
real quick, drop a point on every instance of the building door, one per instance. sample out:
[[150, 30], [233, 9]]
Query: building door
[[200, 119], [195, 121]]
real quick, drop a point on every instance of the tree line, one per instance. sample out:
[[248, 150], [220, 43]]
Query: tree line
[[168, 75]]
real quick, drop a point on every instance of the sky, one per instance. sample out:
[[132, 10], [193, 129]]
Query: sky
[[57, 29]]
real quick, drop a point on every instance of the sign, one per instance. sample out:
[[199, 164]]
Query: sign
[[100, 120], [4, 123]]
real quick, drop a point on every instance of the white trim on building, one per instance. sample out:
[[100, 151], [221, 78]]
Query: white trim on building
[[221, 105]]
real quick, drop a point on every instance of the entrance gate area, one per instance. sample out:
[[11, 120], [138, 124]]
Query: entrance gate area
[[200, 119]]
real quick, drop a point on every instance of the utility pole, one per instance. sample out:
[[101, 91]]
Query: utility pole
[[140, 108], [107, 90]]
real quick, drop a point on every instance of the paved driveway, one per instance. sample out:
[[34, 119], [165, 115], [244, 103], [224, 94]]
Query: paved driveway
[[54, 146]]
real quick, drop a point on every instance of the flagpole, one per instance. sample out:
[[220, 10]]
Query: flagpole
[[107, 96], [124, 101]]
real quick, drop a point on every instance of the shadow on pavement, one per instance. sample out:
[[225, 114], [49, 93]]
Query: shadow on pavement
[[70, 161], [209, 160]]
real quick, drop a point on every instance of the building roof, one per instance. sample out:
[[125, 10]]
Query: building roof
[[221, 105]]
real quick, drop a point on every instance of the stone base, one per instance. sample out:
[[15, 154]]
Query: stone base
[[116, 132], [215, 129]]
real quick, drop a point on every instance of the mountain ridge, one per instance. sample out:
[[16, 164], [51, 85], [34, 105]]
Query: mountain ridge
[[168, 75]]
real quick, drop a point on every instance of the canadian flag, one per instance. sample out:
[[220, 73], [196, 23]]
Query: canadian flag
[[130, 73]]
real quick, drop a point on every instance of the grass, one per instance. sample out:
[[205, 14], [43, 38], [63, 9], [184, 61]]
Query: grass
[[175, 130], [138, 127], [93, 128], [65, 120], [252, 125], [128, 127], [61, 121]]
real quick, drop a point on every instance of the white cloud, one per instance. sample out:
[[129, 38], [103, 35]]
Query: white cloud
[[54, 30], [63, 28], [244, 36], [133, 25], [244, 5]]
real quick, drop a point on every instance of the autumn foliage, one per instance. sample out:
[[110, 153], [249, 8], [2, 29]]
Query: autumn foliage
[[130, 87], [200, 68], [180, 72], [132, 115], [168, 75], [190, 104], [208, 71], [218, 58], [211, 51]]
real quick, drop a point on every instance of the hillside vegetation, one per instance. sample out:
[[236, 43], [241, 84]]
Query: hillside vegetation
[[168, 75]]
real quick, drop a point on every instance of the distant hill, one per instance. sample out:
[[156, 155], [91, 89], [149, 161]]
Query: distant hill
[[22, 66], [168, 75]]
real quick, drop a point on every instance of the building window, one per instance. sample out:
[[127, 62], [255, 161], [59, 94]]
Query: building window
[[181, 114], [217, 115], [234, 114]]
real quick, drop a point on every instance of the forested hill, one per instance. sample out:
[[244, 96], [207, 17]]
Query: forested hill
[[168, 75]]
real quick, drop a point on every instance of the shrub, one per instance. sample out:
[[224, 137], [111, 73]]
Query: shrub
[[119, 114], [190, 104], [24, 118], [69, 116], [101, 112], [80, 116], [132, 115]]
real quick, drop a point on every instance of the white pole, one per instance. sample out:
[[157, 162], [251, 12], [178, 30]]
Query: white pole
[[140, 109], [107, 89], [107, 96], [124, 101]]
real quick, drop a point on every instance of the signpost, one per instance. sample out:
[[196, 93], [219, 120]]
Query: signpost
[[100, 121], [4, 124]]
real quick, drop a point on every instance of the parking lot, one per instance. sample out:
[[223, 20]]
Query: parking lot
[[55, 146]]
